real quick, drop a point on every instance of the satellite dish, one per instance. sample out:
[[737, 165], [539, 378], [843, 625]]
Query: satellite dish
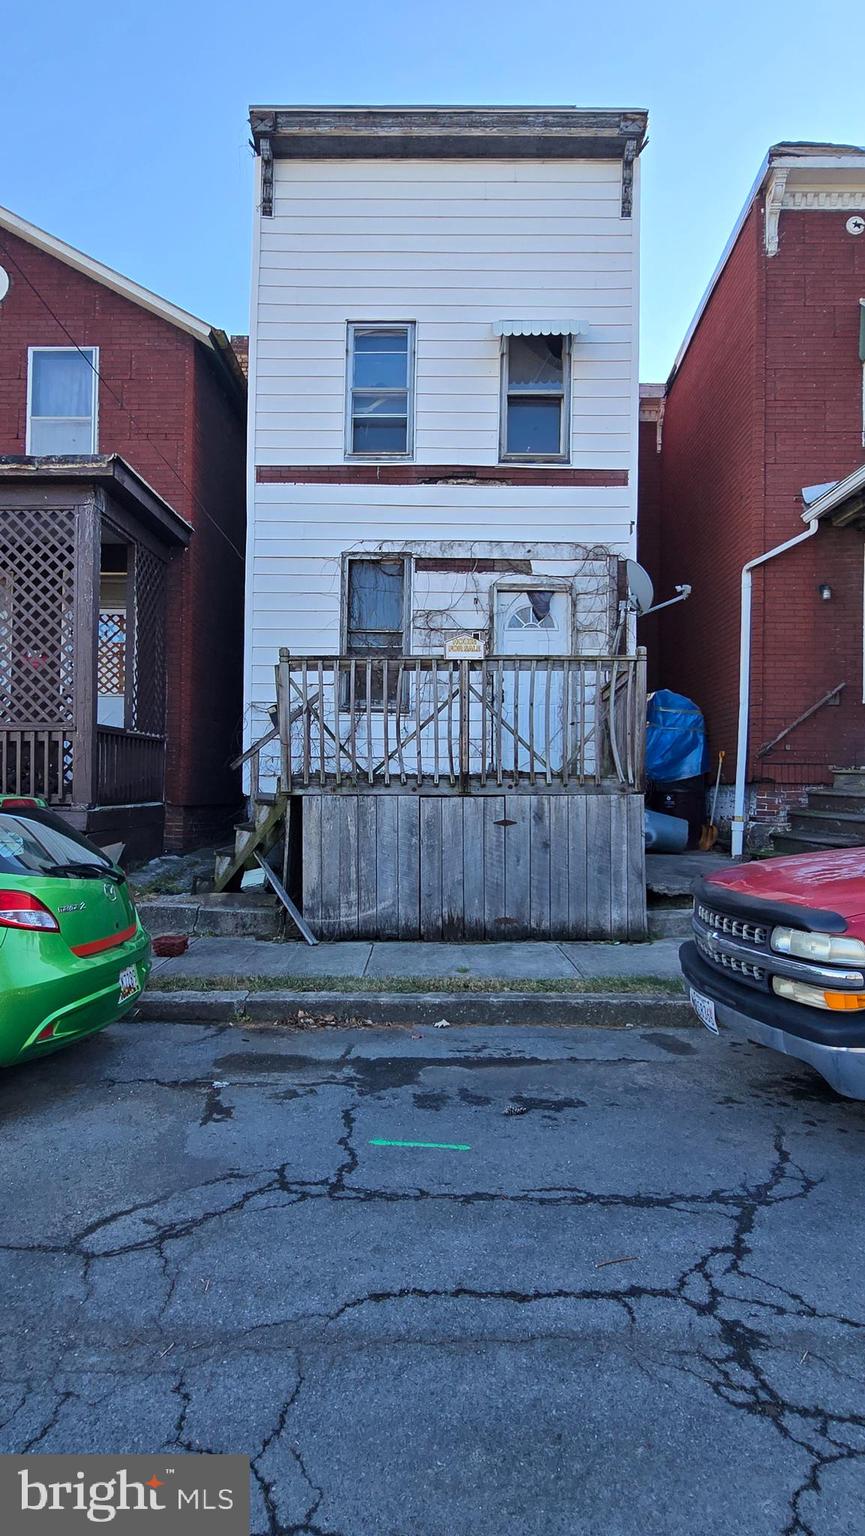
[[4, 283], [641, 593]]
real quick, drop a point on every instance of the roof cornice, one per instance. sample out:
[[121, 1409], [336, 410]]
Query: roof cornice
[[774, 175], [448, 132]]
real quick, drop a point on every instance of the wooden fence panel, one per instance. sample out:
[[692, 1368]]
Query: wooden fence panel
[[499, 866], [408, 856]]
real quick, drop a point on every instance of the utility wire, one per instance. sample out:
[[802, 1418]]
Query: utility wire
[[105, 384]]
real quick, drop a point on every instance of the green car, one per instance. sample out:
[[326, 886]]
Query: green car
[[73, 954]]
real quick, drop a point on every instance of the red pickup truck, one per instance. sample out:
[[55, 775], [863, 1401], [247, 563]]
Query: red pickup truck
[[778, 956]]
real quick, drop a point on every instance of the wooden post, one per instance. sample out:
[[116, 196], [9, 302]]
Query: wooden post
[[283, 713], [464, 725], [85, 787]]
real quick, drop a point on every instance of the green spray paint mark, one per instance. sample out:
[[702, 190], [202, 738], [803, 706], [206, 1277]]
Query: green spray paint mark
[[439, 1146]]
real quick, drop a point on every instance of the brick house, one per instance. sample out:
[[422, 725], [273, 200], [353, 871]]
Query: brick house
[[122, 525], [764, 407]]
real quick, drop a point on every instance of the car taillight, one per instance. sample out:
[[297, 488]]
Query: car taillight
[[19, 909], [19, 805]]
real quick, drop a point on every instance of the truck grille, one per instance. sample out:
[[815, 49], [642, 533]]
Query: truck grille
[[733, 927], [746, 969]]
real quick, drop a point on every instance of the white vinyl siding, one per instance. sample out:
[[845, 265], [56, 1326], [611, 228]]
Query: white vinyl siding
[[455, 246], [452, 246]]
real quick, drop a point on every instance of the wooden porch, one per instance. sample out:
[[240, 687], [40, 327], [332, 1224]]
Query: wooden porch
[[521, 723], [83, 559], [420, 797]]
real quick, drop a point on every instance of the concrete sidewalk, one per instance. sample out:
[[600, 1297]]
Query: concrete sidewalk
[[247, 961], [246, 981]]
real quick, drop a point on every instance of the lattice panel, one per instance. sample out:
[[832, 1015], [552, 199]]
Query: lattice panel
[[148, 680], [111, 653], [37, 614]]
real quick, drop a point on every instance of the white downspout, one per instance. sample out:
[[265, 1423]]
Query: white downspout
[[745, 681]]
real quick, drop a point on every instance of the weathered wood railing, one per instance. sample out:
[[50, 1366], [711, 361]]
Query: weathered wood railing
[[411, 722], [37, 760], [130, 766]]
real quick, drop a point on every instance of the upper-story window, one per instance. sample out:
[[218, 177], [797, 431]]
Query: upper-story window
[[535, 397], [380, 390], [61, 400]]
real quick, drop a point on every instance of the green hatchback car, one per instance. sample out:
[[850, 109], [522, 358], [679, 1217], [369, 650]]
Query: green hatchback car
[[73, 954]]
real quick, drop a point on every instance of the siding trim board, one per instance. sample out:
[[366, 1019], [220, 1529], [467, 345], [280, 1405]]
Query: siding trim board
[[433, 474]]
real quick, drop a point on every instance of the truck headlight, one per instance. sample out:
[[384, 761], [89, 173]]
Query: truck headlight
[[818, 946]]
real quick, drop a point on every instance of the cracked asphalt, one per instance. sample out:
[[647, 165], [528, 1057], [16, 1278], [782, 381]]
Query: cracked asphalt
[[634, 1307]]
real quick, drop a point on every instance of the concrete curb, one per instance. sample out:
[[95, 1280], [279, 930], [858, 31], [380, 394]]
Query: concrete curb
[[346, 1010]]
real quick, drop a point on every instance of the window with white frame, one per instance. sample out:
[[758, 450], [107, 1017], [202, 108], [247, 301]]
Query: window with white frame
[[61, 400], [535, 397], [380, 390]]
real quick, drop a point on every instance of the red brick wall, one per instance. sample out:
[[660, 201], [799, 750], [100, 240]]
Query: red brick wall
[[803, 645], [207, 621], [163, 408], [711, 490], [769, 400], [649, 544]]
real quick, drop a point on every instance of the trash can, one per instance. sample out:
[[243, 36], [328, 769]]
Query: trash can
[[686, 799]]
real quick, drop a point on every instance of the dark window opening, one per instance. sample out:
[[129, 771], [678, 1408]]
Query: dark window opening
[[375, 613]]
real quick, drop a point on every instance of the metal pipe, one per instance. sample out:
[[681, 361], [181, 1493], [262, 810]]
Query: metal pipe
[[738, 841]]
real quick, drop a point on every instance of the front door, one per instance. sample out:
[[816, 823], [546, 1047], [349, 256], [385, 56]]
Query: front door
[[533, 622]]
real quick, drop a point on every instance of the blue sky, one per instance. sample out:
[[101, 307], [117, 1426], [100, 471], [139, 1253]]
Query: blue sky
[[123, 125]]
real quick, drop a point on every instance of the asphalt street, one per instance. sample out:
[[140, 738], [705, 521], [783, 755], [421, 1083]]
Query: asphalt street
[[623, 1296]]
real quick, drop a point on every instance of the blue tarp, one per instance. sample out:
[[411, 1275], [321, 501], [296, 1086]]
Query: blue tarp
[[676, 746]]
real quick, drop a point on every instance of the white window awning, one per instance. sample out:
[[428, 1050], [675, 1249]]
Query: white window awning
[[539, 327]]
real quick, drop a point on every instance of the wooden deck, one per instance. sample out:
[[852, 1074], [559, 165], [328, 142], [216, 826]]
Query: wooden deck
[[516, 724], [443, 799]]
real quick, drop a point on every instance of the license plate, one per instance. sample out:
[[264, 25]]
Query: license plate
[[704, 1008], [128, 982]]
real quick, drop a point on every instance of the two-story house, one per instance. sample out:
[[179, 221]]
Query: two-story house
[[122, 527], [442, 494], [763, 415]]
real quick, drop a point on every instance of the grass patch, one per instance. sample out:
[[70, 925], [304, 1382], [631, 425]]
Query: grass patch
[[636, 985]]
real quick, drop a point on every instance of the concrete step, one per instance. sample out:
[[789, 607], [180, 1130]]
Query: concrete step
[[669, 922], [849, 779], [811, 842], [829, 823], [836, 800], [240, 914]]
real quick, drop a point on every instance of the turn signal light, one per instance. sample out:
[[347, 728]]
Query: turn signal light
[[816, 997], [20, 909], [46, 1034]]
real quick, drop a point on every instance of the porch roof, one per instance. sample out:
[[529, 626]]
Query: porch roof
[[111, 473], [842, 503]]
